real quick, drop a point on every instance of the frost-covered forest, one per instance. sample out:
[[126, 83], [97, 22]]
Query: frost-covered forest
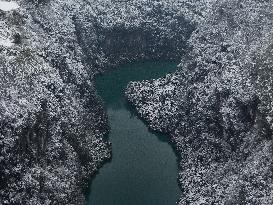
[[217, 106]]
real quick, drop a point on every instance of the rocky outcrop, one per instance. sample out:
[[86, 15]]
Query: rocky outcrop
[[52, 125], [217, 107]]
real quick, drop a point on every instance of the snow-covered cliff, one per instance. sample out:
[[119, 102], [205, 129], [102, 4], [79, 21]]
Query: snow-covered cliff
[[217, 107]]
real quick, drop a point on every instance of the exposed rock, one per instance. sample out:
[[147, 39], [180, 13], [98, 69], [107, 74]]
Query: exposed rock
[[217, 106]]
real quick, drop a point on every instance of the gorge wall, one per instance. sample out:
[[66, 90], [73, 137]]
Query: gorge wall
[[217, 107]]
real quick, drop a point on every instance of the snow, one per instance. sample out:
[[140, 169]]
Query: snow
[[8, 5], [5, 42]]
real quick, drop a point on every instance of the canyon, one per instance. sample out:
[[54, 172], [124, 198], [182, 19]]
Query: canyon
[[216, 107]]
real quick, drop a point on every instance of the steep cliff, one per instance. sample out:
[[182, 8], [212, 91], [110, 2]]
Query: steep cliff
[[217, 107]]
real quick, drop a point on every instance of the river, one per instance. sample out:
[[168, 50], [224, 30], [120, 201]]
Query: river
[[143, 169]]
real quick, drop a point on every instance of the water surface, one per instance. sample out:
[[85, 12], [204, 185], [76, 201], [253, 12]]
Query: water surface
[[143, 170]]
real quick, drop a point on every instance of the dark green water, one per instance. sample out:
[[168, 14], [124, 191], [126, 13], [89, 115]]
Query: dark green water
[[143, 170]]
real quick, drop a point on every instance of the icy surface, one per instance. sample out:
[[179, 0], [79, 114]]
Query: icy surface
[[5, 42], [8, 5]]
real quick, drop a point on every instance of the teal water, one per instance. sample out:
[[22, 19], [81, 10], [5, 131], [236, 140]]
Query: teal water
[[143, 170]]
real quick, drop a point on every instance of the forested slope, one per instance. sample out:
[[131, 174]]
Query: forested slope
[[217, 107]]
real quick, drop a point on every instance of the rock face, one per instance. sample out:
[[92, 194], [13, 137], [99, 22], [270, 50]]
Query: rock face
[[217, 107], [52, 124]]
